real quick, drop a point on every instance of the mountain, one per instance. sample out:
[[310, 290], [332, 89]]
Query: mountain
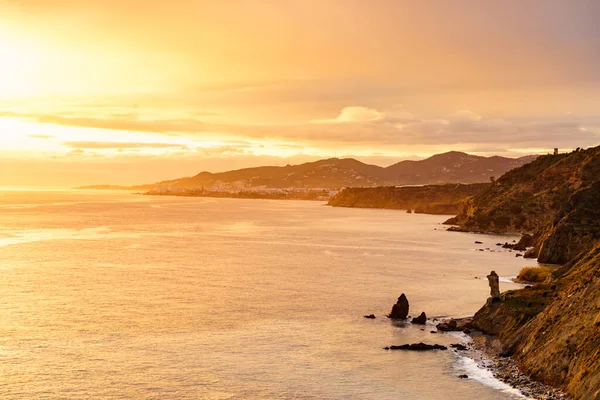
[[555, 198], [334, 173], [453, 167]]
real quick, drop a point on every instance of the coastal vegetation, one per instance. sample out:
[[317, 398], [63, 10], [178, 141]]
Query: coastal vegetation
[[429, 199], [534, 274]]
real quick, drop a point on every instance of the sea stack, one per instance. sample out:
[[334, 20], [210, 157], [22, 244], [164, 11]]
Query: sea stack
[[400, 309], [421, 319], [494, 282]]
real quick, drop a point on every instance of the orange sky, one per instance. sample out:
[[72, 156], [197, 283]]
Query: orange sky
[[131, 91]]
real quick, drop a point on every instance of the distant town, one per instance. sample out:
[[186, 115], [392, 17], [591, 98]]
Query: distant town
[[317, 194]]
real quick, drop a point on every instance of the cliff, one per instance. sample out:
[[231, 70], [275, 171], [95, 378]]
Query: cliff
[[430, 199], [553, 329], [554, 198]]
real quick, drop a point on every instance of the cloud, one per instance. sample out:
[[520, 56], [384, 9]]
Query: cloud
[[355, 126], [43, 137], [466, 115], [120, 145], [355, 114], [118, 123], [221, 150], [76, 152]]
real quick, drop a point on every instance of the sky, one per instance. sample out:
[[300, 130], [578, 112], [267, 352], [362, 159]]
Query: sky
[[133, 91]]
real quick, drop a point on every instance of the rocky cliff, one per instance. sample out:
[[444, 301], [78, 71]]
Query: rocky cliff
[[430, 199], [555, 198], [553, 329]]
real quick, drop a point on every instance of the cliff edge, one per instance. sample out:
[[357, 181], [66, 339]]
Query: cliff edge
[[555, 198], [552, 329]]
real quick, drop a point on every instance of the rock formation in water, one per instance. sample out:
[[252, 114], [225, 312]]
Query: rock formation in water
[[525, 242], [400, 309], [417, 347], [494, 282], [421, 319]]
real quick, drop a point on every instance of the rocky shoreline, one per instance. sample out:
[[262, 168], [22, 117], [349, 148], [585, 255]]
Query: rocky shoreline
[[502, 367], [486, 351]]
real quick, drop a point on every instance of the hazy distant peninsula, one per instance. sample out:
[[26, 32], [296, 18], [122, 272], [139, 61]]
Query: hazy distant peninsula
[[268, 194], [428, 199]]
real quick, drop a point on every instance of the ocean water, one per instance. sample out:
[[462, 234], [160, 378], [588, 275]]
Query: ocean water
[[107, 295]]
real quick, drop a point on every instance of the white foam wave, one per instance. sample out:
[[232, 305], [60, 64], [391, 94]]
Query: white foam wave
[[506, 279], [486, 377]]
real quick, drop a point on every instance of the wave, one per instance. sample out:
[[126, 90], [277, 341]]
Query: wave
[[483, 375]]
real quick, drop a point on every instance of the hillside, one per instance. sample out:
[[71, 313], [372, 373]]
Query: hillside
[[554, 197], [553, 329], [334, 173], [430, 199], [452, 167]]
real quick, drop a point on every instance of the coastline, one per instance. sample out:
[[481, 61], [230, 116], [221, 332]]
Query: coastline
[[306, 195], [486, 353], [506, 369]]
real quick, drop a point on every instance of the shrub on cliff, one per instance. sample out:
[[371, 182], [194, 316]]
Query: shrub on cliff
[[534, 274]]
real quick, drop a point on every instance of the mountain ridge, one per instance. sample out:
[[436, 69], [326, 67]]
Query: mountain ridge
[[335, 173]]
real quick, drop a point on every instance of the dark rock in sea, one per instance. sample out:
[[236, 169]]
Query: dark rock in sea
[[525, 242], [421, 319], [409, 211], [498, 244], [432, 331], [532, 253], [508, 246], [478, 242], [417, 347], [463, 376], [458, 346], [370, 316], [458, 229], [400, 309], [448, 326], [518, 255]]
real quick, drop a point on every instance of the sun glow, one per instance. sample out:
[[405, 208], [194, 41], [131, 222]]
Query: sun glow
[[19, 63]]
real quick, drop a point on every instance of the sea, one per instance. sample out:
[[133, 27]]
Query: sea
[[115, 295]]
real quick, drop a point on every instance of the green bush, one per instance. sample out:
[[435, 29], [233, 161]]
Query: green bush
[[534, 274]]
